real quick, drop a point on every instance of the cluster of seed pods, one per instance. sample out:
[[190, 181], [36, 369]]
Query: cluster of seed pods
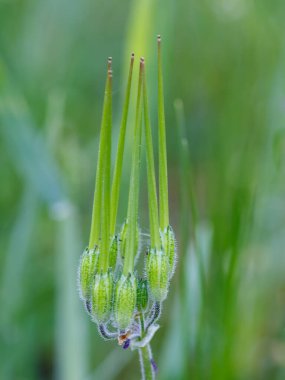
[[124, 303]]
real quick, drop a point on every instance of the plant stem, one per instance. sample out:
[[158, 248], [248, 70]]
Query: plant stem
[[131, 241], [96, 212], [163, 178], [120, 153], [145, 355], [152, 197], [145, 362]]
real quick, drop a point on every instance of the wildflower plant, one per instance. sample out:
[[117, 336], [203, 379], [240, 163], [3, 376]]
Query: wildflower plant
[[124, 304]]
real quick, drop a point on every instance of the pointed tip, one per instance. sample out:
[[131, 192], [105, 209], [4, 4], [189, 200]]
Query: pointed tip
[[142, 63], [158, 38], [132, 59], [109, 63]]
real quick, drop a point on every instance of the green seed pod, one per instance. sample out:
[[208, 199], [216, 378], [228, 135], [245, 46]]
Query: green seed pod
[[142, 295], [125, 301], [113, 252], [169, 245], [123, 239], [87, 269], [101, 297], [157, 269]]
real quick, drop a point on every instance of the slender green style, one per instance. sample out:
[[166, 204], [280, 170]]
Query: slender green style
[[96, 212], [163, 178], [152, 197], [134, 183], [115, 193], [106, 180]]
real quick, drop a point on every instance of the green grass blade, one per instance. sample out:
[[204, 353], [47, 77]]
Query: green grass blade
[[163, 178], [115, 193], [189, 204], [152, 196]]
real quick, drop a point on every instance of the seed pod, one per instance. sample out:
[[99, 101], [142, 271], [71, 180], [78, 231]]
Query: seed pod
[[157, 269], [113, 252], [169, 245], [142, 295], [125, 301], [87, 268], [101, 297]]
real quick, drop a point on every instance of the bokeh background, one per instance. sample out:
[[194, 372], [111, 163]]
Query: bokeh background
[[224, 79]]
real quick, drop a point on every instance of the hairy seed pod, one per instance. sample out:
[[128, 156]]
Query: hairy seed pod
[[101, 297], [125, 301], [142, 295], [87, 269], [157, 269], [113, 252], [169, 245], [123, 240]]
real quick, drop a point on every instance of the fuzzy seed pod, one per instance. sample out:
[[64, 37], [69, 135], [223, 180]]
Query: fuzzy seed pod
[[87, 269], [169, 245], [142, 295], [101, 297], [157, 269], [113, 252], [125, 301]]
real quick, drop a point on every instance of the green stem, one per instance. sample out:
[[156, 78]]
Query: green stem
[[131, 241], [163, 178], [96, 212], [120, 153], [145, 356], [145, 362], [106, 181], [152, 197]]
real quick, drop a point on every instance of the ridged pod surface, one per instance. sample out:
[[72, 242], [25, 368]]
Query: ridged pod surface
[[101, 297], [157, 269], [87, 269], [169, 246], [125, 301], [142, 295]]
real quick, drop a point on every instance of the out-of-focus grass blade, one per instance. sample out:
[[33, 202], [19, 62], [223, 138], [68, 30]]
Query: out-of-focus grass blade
[[13, 293], [29, 154], [27, 148], [112, 365], [70, 332], [173, 355], [16, 254]]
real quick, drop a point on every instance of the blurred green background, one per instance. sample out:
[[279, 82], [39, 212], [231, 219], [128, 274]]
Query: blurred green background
[[224, 79]]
